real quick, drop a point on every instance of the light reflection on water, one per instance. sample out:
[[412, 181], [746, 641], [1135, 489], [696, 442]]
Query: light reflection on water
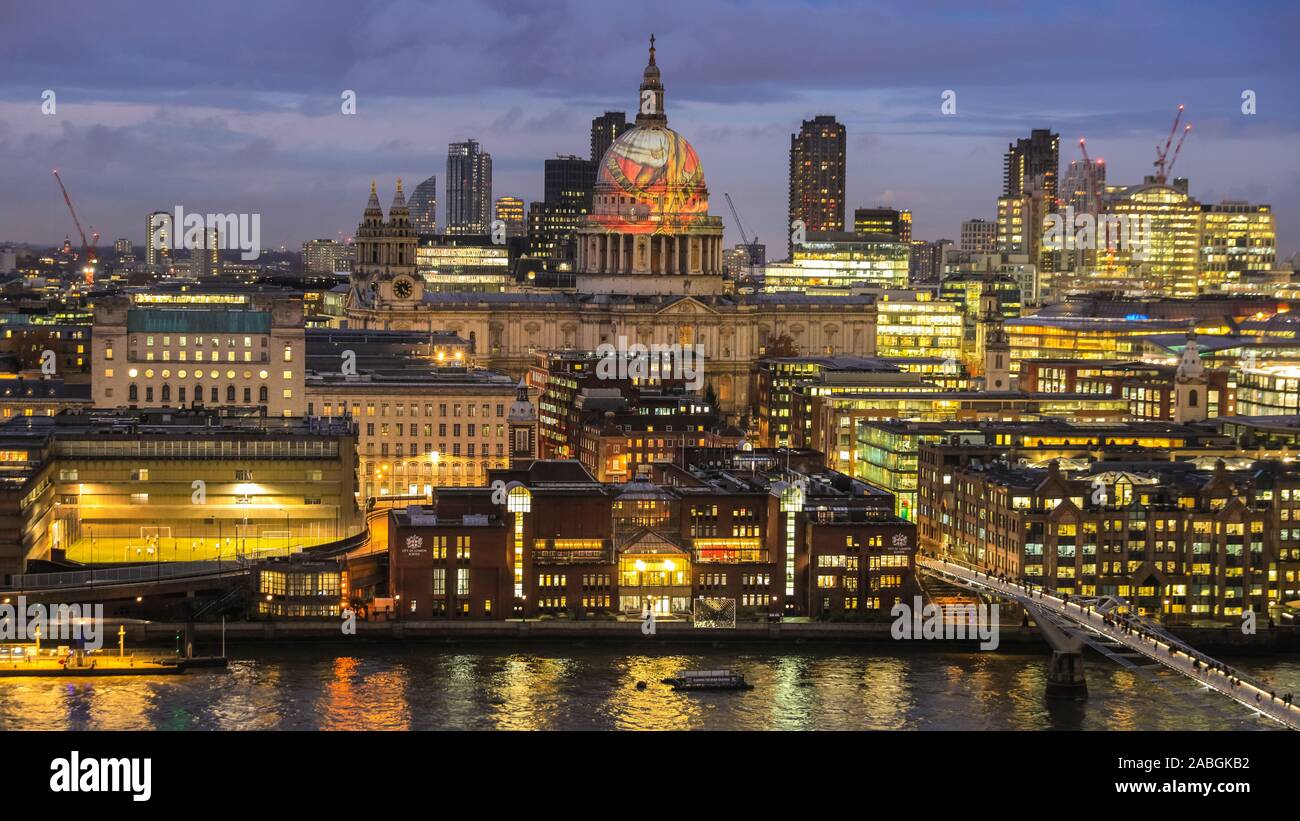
[[390, 687]]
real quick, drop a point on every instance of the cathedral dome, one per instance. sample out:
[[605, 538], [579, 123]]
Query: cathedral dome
[[650, 177], [652, 166]]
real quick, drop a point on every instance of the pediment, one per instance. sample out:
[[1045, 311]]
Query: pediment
[[686, 306]]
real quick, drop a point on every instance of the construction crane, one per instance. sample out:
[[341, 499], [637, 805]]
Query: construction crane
[[89, 252], [749, 246], [1164, 163]]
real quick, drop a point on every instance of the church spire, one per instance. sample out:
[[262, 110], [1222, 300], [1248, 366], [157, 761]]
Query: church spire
[[399, 199], [1190, 366], [373, 213], [650, 108]]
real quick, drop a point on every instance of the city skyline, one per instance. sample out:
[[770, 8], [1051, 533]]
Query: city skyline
[[780, 366], [214, 135]]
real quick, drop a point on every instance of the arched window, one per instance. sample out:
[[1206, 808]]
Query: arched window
[[198, 393], [180, 394], [230, 393], [215, 394], [1191, 398], [132, 392], [261, 394], [166, 393]]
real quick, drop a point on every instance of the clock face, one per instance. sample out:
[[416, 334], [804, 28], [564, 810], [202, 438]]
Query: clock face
[[402, 288]]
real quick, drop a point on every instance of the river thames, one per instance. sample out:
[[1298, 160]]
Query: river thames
[[564, 687]]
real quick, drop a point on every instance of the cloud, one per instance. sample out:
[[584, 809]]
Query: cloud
[[238, 102]]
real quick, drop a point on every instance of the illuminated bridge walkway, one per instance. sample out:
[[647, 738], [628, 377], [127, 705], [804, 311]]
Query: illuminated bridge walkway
[[1098, 623]]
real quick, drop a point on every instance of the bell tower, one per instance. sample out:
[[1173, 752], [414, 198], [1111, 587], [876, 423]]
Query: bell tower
[[385, 250], [1190, 384], [997, 345], [522, 420]]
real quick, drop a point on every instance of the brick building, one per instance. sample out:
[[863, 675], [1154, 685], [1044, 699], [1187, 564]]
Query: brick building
[[1183, 540], [742, 537]]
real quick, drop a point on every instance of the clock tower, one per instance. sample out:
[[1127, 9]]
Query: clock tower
[[385, 273]]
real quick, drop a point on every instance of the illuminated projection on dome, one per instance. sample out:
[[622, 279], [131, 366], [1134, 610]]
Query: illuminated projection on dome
[[656, 180]]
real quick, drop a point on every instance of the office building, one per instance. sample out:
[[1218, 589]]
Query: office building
[[568, 187], [327, 256], [979, 236], [423, 205], [926, 261], [419, 427], [199, 348], [1238, 240], [889, 449], [461, 262], [1183, 541], [886, 221], [510, 210], [146, 486], [841, 260], [1157, 249]]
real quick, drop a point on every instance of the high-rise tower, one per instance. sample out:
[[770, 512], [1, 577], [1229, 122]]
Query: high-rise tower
[[817, 168], [469, 189], [1035, 159], [158, 239], [605, 129]]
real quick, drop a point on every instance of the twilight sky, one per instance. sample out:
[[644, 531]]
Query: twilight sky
[[234, 106]]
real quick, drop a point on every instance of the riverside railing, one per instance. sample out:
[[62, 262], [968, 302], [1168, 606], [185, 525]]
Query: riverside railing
[[125, 575]]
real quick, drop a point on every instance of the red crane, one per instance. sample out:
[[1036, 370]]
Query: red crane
[[88, 248], [1164, 163], [1179, 148]]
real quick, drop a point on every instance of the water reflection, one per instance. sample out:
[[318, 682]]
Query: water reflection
[[563, 687], [658, 706], [525, 692]]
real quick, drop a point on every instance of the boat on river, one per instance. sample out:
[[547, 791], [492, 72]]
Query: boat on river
[[708, 680]]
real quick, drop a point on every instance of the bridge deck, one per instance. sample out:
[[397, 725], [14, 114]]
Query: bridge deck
[[1162, 649]]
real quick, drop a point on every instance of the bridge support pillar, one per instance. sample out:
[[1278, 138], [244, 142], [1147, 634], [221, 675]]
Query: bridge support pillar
[[1065, 677]]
